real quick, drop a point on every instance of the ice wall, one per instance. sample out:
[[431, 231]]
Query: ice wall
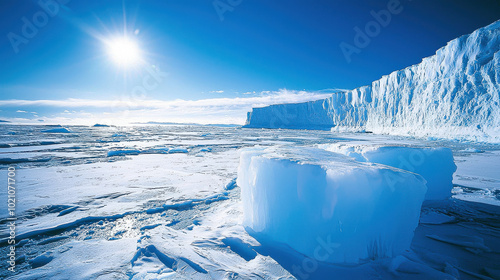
[[328, 206], [453, 94]]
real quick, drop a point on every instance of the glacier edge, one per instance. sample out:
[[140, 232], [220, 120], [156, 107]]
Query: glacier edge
[[453, 94]]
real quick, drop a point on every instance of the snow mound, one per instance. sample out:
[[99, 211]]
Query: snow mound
[[453, 94], [436, 165], [328, 206], [57, 130]]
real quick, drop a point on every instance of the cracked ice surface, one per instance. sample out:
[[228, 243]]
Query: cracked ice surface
[[156, 214]]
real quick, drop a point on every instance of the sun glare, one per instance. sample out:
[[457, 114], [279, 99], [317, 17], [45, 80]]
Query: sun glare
[[124, 51]]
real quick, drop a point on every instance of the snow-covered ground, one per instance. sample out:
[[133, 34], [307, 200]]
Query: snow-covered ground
[[161, 202]]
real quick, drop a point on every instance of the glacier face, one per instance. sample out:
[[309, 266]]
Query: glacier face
[[452, 94]]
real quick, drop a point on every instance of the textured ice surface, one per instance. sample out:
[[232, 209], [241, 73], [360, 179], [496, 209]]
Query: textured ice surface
[[91, 259], [436, 165], [328, 206], [452, 94], [157, 215]]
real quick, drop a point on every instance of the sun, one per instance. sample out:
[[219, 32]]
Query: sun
[[124, 51]]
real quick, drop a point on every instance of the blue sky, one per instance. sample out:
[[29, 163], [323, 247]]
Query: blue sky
[[249, 52]]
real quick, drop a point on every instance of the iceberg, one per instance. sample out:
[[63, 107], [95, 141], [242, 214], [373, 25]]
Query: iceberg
[[454, 94], [435, 165], [328, 206]]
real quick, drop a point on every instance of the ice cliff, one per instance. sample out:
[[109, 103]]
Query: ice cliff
[[452, 94]]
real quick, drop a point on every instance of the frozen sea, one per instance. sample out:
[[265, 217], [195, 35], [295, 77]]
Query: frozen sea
[[161, 202]]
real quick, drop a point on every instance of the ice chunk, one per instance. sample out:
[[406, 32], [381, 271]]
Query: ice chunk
[[123, 152], [57, 130], [328, 206], [177, 150], [41, 260], [436, 165], [100, 125]]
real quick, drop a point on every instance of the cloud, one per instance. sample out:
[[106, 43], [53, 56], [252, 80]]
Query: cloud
[[212, 110], [21, 111], [277, 97], [216, 91]]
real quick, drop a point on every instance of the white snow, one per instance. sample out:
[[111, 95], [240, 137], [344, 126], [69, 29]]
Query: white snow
[[103, 190], [436, 165], [307, 197], [479, 170], [454, 94], [92, 259]]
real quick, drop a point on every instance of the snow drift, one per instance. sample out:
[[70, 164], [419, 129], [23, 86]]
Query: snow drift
[[452, 94], [328, 206]]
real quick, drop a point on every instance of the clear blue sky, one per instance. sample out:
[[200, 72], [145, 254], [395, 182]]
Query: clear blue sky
[[260, 45]]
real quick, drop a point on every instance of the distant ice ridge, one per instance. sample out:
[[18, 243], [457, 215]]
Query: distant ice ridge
[[453, 94], [435, 165], [328, 206], [57, 130]]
